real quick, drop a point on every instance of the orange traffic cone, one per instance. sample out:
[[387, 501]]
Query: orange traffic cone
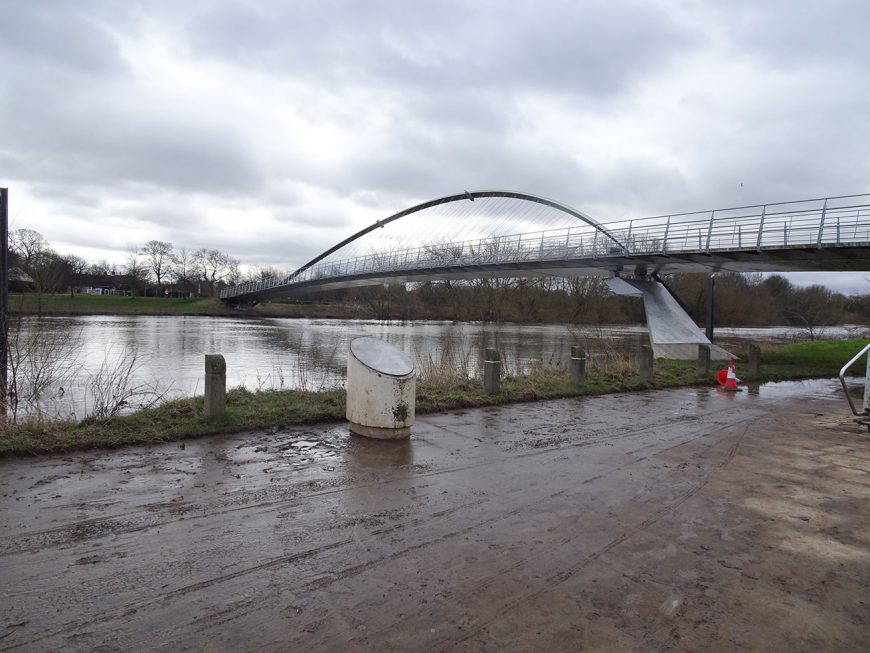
[[731, 380]]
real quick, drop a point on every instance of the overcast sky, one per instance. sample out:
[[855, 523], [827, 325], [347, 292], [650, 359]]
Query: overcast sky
[[271, 130]]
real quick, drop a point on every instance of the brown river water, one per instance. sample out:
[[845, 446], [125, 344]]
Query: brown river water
[[77, 361]]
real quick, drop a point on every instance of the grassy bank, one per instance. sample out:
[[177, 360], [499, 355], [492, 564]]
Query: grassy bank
[[34, 304], [441, 391], [820, 358]]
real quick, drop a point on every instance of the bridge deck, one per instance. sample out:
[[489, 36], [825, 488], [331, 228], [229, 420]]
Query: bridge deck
[[831, 234]]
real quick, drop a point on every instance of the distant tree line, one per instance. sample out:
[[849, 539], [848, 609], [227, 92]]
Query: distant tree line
[[740, 300], [150, 269]]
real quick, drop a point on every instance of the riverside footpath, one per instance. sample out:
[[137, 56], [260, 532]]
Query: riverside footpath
[[682, 519]]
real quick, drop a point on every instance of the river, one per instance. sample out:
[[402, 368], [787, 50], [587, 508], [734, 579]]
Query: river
[[77, 361]]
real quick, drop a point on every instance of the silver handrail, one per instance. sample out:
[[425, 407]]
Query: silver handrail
[[843, 379], [819, 223]]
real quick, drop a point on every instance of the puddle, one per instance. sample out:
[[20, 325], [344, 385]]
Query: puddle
[[826, 389]]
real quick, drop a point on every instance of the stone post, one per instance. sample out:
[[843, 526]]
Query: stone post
[[754, 362], [215, 385], [646, 364], [578, 366], [492, 372], [703, 360]]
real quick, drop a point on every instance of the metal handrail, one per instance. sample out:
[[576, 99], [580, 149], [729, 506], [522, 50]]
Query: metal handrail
[[843, 379], [831, 222]]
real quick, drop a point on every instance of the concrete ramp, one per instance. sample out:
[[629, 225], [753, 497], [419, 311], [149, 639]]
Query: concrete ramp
[[672, 332]]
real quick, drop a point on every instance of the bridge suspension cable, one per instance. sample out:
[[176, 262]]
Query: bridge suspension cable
[[504, 233], [467, 216]]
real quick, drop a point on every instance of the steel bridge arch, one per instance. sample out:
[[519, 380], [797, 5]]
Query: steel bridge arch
[[447, 199]]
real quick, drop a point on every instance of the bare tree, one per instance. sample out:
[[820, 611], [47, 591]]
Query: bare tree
[[136, 270], [76, 266], [100, 268], [30, 246], [263, 274], [214, 267], [182, 266], [814, 308], [158, 257]]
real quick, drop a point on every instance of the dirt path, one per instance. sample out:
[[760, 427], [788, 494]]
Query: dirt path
[[670, 520]]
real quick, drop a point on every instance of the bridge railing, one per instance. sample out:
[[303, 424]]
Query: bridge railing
[[810, 223]]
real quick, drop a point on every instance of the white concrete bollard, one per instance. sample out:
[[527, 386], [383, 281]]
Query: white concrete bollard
[[381, 390]]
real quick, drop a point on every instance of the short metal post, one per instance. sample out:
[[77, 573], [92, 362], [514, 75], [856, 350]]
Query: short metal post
[[754, 359], [215, 403], [703, 360], [492, 372], [646, 364], [578, 365]]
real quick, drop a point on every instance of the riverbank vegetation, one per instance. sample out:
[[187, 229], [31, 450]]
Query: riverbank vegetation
[[159, 278], [741, 300], [438, 389]]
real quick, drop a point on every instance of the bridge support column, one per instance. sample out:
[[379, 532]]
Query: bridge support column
[[711, 306], [492, 372], [578, 366], [215, 403]]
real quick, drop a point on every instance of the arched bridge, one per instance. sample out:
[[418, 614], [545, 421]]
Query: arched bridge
[[510, 234]]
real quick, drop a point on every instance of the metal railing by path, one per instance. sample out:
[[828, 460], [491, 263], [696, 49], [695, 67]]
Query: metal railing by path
[[816, 223], [865, 407]]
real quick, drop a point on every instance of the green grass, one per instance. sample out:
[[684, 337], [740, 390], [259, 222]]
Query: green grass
[[180, 419], [35, 304], [66, 304], [819, 358]]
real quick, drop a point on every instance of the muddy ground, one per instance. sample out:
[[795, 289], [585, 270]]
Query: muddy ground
[[670, 520]]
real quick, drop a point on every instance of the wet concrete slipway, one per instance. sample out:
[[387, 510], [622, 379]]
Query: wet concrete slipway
[[671, 520]]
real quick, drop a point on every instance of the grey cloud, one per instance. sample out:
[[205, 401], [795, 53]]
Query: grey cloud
[[446, 88], [593, 48], [85, 137], [791, 35], [42, 35]]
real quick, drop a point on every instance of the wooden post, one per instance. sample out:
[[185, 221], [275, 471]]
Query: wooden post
[[646, 364], [703, 360], [578, 366], [215, 385], [492, 372], [754, 362]]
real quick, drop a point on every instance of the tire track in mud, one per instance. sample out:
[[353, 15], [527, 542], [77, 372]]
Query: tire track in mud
[[567, 574], [484, 583], [120, 612], [154, 515]]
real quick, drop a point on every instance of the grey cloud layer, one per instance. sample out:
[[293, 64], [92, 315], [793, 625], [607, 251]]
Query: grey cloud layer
[[625, 107]]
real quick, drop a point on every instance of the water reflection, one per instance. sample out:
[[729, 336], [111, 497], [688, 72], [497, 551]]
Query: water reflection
[[276, 353]]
